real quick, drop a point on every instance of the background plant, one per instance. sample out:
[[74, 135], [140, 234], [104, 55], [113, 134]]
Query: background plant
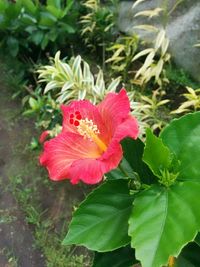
[[74, 80], [192, 101], [123, 51], [156, 56], [28, 26], [151, 111], [98, 24], [44, 109]]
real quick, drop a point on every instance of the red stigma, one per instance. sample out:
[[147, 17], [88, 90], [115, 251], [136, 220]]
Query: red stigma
[[76, 123], [74, 118], [78, 117]]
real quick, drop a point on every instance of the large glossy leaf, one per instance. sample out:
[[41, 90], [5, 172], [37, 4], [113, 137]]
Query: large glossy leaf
[[164, 220], [182, 136], [101, 221], [156, 155], [122, 257], [132, 162]]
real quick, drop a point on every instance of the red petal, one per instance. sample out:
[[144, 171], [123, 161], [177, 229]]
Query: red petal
[[114, 109], [61, 151], [91, 171], [129, 128], [43, 136], [86, 110]]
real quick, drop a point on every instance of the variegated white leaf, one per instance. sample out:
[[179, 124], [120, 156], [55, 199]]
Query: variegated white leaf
[[147, 63], [51, 85], [81, 94], [67, 85], [142, 53], [100, 84], [137, 3], [160, 38], [113, 85]]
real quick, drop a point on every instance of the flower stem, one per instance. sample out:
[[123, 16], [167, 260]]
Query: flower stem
[[171, 262], [128, 172]]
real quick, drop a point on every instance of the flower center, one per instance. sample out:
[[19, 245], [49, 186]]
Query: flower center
[[87, 129]]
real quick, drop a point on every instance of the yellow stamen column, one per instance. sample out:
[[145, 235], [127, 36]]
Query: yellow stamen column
[[89, 130]]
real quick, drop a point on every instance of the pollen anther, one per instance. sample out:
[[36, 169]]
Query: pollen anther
[[89, 130]]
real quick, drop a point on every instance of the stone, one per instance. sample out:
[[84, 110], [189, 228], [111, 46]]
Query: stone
[[182, 29]]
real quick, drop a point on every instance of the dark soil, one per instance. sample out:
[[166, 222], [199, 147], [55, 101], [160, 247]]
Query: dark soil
[[17, 242], [16, 238]]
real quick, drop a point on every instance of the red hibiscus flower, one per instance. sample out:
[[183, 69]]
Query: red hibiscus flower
[[43, 136], [89, 144]]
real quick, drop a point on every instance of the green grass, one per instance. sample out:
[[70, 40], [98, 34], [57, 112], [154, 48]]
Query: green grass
[[6, 217], [180, 77], [47, 238], [12, 260]]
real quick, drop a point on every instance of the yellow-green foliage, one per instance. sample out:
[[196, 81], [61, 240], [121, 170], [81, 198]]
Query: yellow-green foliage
[[156, 55], [96, 24], [192, 101], [123, 52], [149, 110]]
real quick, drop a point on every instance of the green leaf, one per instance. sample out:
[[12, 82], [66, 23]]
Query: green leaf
[[123, 171], [53, 34], [33, 103], [182, 136], [37, 37], [101, 221], [68, 28], [189, 256], [69, 5], [122, 257], [54, 11], [13, 10], [164, 220], [132, 162], [28, 19], [13, 46], [55, 3], [197, 239], [3, 6], [47, 19], [45, 41], [29, 6], [156, 155], [31, 29], [182, 262]]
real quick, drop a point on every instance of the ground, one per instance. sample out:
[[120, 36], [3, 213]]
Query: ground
[[34, 212]]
